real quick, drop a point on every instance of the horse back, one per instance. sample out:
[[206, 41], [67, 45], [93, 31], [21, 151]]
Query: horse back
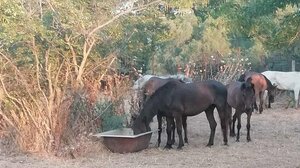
[[284, 80], [153, 84], [206, 93], [217, 89], [156, 82], [258, 80]]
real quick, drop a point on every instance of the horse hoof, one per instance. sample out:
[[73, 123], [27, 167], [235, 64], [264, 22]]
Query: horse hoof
[[226, 143], [232, 134], [209, 145], [186, 141], [237, 140], [179, 148], [168, 146], [249, 140], [173, 142]]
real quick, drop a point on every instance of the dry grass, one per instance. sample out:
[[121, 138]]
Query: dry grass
[[275, 143]]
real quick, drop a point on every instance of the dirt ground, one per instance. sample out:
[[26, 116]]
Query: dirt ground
[[275, 143]]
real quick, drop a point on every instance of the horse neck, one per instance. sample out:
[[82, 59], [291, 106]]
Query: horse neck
[[269, 84], [157, 100], [150, 110]]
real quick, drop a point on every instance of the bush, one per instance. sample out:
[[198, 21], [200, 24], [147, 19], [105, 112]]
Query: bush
[[111, 121], [106, 110]]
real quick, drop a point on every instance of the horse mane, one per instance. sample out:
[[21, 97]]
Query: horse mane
[[268, 82]]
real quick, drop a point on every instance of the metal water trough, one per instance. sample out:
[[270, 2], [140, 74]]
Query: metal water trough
[[124, 141]]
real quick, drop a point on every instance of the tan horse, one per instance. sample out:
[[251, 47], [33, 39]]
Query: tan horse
[[261, 83]]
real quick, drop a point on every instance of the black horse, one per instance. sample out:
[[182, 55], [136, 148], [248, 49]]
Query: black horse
[[149, 89], [177, 100], [240, 96]]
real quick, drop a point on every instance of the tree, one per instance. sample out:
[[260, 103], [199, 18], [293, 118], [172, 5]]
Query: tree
[[47, 53]]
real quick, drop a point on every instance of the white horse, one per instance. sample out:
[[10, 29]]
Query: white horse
[[285, 81], [139, 84]]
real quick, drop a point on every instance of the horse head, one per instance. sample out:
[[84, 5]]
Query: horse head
[[248, 95], [272, 92], [140, 124]]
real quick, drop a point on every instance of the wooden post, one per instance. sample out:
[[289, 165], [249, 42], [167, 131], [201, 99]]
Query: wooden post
[[293, 65]]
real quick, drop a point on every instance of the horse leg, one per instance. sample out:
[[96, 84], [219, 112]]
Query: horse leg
[[260, 102], [230, 120], [269, 100], [254, 102], [212, 123], [224, 117], [296, 95], [169, 130], [255, 106], [248, 126], [179, 131], [238, 126], [232, 132], [159, 120], [184, 124], [173, 131], [266, 98]]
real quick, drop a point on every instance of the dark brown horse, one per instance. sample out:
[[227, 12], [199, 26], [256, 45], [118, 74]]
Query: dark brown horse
[[177, 100], [240, 96], [148, 89], [261, 83]]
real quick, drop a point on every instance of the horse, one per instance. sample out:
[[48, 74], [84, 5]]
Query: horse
[[285, 81], [153, 84], [177, 100], [261, 83], [240, 96], [148, 89], [140, 83]]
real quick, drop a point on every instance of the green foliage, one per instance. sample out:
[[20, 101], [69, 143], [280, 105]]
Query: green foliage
[[110, 120], [137, 40], [273, 25], [105, 111]]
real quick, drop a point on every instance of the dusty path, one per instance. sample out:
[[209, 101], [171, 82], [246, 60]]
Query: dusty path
[[275, 143]]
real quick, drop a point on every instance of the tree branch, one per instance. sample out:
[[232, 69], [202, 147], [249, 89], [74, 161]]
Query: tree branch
[[90, 41], [67, 39], [293, 39], [121, 14]]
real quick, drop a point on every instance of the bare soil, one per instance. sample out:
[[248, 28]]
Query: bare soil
[[275, 143]]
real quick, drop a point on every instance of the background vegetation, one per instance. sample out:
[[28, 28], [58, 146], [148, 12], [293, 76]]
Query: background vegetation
[[56, 56]]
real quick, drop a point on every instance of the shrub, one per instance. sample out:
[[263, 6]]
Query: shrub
[[106, 110]]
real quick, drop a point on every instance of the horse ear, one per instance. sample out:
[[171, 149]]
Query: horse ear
[[243, 86]]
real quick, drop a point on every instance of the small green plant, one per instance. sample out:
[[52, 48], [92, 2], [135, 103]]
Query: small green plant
[[109, 119]]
